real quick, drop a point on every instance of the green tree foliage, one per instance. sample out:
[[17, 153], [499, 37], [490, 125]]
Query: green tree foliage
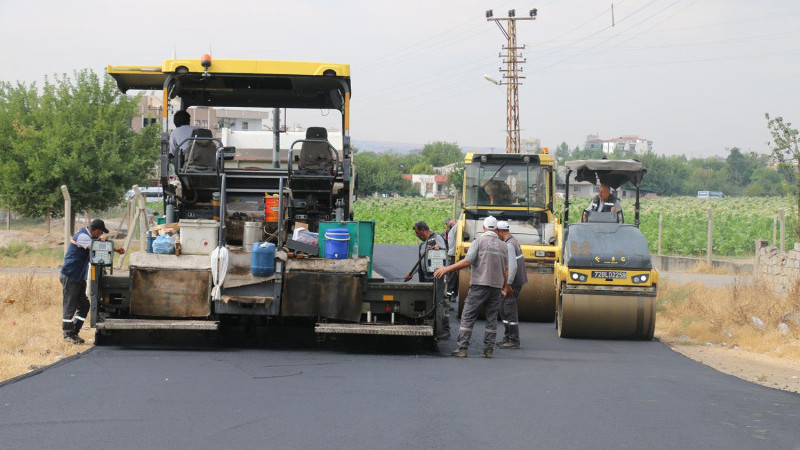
[[456, 177], [786, 151], [441, 153], [563, 152], [381, 173], [75, 131], [665, 174], [422, 168]]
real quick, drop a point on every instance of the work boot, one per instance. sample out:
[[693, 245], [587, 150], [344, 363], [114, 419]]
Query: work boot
[[508, 345], [487, 352], [460, 352], [444, 335], [73, 338]]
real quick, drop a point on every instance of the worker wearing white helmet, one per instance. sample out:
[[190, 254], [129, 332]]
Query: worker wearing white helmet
[[488, 258]]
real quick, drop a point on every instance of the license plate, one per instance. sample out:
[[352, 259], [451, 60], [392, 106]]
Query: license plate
[[615, 274]]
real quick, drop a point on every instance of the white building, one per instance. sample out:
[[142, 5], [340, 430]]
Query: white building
[[622, 143]]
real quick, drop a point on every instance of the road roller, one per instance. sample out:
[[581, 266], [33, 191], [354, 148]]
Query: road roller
[[605, 282], [518, 188]]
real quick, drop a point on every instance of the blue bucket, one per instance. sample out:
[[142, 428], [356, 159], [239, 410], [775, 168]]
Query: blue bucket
[[262, 262], [336, 242]]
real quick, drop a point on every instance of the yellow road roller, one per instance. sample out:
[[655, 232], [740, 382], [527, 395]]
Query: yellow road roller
[[518, 188], [605, 282]]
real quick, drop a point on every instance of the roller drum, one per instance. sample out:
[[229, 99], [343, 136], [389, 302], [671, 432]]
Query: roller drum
[[606, 316], [536, 301]]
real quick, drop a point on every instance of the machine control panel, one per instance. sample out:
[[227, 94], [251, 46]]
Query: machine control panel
[[101, 253], [436, 259]]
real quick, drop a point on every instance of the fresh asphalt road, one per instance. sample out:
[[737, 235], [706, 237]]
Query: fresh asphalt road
[[552, 394]]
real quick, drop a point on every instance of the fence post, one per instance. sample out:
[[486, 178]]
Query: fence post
[[67, 217], [782, 214], [8, 219], [660, 216], [710, 237], [774, 231]]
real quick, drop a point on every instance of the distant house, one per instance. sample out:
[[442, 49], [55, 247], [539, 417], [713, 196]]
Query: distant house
[[621, 143], [429, 185]]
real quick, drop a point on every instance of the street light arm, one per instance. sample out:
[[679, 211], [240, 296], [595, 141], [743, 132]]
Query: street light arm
[[491, 80]]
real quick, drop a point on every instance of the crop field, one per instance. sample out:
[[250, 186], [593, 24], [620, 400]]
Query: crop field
[[738, 221]]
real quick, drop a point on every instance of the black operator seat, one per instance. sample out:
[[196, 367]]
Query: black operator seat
[[316, 157], [202, 153]]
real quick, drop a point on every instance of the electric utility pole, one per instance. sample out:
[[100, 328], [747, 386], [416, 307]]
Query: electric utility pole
[[511, 74]]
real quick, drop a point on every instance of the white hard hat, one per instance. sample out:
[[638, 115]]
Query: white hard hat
[[502, 225], [490, 222]]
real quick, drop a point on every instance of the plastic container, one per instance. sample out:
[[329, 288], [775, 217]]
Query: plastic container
[[149, 241], [336, 242], [262, 261], [199, 236], [271, 206], [253, 232]]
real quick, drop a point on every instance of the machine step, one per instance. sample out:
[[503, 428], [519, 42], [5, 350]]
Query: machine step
[[376, 329], [153, 324]]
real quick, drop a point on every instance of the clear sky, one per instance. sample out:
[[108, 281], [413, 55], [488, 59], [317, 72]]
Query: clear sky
[[694, 76]]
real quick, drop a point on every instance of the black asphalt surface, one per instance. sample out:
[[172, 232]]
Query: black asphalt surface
[[552, 394]]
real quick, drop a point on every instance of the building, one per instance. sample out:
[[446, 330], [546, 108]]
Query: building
[[530, 145], [429, 185], [631, 143], [214, 119]]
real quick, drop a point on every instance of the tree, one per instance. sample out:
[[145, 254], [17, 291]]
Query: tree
[[75, 132], [380, 173], [440, 153], [422, 168], [456, 177], [787, 152], [765, 182], [563, 152]]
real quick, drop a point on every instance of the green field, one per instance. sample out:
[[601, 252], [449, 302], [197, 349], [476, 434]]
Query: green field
[[738, 221]]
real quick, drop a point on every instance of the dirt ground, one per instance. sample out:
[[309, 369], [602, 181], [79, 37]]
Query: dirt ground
[[764, 369]]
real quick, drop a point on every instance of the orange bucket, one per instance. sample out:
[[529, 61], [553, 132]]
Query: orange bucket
[[271, 205]]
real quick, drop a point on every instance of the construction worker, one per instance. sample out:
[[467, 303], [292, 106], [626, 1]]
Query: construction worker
[[430, 240], [517, 277], [452, 279], [182, 132], [488, 257], [435, 241], [73, 279], [604, 201]]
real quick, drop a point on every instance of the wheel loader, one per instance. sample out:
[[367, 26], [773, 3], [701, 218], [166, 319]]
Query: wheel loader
[[605, 283]]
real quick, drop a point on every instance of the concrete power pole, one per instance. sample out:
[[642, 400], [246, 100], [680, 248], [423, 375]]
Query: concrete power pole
[[511, 74]]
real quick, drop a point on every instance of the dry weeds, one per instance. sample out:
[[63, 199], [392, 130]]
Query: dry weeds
[[745, 315], [30, 314], [706, 268]]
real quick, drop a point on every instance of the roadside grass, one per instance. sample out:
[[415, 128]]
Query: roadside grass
[[30, 314], [22, 254], [705, 267], [746, 314]]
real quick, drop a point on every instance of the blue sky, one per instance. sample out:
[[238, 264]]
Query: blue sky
[[694, 76]]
